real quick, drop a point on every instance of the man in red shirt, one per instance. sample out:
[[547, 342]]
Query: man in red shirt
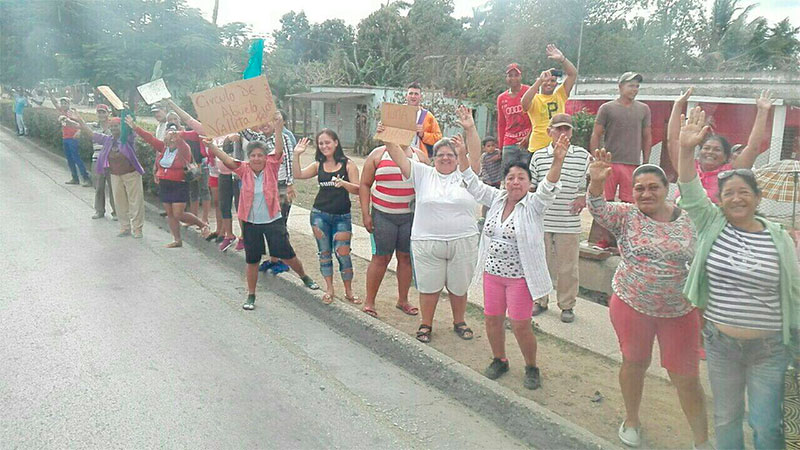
[[513, 124], [70, 133]]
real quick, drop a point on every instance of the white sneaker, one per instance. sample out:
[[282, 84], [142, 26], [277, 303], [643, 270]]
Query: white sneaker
[[632, 437]]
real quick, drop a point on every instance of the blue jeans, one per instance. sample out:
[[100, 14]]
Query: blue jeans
[[326, 228], [74, 159], [755, 366]]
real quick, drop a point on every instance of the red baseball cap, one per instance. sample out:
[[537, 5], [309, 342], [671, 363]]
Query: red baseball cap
[[513, 66], [103, 107]]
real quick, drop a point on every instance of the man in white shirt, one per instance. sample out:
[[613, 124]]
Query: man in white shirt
[[562, 222]]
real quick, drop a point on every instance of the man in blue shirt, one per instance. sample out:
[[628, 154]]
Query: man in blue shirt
[[20, 102]]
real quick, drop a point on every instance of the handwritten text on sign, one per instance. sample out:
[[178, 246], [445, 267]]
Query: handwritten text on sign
[[234, 106], [400, 123]]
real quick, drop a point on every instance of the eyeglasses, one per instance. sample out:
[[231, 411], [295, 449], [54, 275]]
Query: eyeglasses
[[741, 172], [445, 155]]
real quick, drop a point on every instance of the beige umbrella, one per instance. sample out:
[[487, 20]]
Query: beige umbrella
[[778, 181]]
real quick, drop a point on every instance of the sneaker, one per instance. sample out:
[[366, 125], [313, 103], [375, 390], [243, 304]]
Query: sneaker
[[226, 243], [124, 233], [632, 437], [87, 183], [602, 244], [114, 217], [163, 214], [279, 267], [538, 309], [98, 216], [497, 368], [219, 239], [137, 235], [211, 236], [567, 316], [265, 266], [250, 304], [531, 380], [239, 245], [72, 182]]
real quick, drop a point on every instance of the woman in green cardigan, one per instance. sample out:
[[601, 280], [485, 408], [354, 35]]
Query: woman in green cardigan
[[745, 277]]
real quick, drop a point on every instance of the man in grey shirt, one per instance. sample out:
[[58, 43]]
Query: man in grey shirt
[[623, 127], [102, 180]]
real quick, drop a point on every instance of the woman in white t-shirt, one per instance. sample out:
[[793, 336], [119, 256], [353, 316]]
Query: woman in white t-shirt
[[444, 236]]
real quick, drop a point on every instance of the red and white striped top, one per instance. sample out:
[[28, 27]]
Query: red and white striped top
[[390, 193]]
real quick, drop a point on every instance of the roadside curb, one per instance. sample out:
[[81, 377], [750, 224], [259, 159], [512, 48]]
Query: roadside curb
[[521, 418]]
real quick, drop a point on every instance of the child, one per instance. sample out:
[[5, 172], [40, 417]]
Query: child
[[491, 166]]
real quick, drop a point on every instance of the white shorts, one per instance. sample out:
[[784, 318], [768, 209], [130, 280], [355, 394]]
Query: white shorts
[[440, 264]]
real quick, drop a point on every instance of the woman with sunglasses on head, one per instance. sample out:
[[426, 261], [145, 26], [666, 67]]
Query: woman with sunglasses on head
[[716, 154], [745, 276], [656, 242]]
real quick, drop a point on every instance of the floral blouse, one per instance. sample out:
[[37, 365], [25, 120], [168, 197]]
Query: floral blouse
[[655, 257]]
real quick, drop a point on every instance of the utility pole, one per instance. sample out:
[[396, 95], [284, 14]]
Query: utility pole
[[578, 67], [214, 14]]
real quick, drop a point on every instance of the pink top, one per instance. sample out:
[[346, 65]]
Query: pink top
[[513, 122], [709, 179], [269, 186]]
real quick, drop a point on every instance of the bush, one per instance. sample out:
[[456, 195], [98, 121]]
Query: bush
[[43, 126], [583, 124]]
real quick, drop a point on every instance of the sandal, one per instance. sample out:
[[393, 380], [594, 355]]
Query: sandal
[[205, 231], [311, 284], [407, 308], [174, 245], [370, 311], [354, 299], [424, 336], [327, 299], [463, 331]]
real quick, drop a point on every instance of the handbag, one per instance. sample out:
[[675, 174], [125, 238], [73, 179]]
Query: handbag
[[791, 408]]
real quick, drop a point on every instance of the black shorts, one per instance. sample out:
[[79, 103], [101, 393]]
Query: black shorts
[[277, 240], [391, 232]]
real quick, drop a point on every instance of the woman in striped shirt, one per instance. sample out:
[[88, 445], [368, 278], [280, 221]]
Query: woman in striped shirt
[[745, 275]]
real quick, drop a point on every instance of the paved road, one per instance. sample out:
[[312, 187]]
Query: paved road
[[112, 342]]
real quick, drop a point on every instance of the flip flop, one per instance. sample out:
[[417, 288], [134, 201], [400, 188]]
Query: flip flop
[[354, 300], [407, 308], [370, 312]]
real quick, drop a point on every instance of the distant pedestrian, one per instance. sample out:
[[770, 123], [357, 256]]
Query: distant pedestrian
[[20, 103], [102, 179], [70, 133], [513, 122]]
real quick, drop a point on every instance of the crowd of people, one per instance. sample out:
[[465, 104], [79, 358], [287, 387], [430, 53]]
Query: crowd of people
[[704, 272]]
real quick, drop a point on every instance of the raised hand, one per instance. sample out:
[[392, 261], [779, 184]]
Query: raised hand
[[765, 101], [544, 76], [301, 146], [277, 122], [554, 53], [693, 129], [465, 119], [129, 121], [458, 145], [560, 147], [684, 97], [381, 128], [600, 167]]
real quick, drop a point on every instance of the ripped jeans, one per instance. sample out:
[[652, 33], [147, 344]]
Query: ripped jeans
[[326, 227]]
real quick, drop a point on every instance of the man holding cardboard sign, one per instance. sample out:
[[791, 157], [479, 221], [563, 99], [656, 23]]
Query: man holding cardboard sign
[[427, 128], [235, 106]]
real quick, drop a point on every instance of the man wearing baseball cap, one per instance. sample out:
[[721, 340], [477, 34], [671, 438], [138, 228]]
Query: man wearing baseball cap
[[624, 127], [513, 124], [546, 98], [102, 180], [160, 114], [562, 221]]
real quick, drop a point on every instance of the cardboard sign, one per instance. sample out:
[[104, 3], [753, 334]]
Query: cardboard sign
[[234, 106], [111, 96], [154, 91], [400, 122]]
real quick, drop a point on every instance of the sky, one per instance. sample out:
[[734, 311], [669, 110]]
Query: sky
[[264, 16]]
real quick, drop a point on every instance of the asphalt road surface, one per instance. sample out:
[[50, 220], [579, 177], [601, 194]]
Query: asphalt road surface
[[113, 342]]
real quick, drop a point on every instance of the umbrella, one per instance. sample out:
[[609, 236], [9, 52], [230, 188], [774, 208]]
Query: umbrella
[[778, 181]]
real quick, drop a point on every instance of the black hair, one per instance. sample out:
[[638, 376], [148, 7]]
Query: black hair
[[252, 145], [519, 165], [748, 176], [726, 146], [653, 169], [338, 154], [488, 139], [414, 85]]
